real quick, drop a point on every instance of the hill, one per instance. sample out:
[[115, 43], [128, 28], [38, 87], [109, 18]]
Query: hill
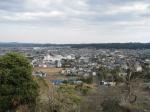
[[90, 45]]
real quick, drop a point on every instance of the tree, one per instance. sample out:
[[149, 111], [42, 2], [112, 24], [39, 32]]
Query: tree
[[103, 73], [146, 71], [115, 75], [131, 80], [17, 86]]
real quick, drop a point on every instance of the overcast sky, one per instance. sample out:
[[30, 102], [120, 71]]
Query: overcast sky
[[74, 21]]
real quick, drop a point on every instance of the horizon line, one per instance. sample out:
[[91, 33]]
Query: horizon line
[[75, 43]]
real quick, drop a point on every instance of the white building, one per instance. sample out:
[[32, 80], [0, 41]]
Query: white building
[[53, 58]]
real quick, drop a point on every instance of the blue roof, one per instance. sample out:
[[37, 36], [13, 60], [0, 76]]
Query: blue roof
[[56, 82]]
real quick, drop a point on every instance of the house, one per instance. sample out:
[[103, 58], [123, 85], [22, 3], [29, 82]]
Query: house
[[94, 73], [147, 86], [39, 74], [138, 67], [56, 82], [107, 83]]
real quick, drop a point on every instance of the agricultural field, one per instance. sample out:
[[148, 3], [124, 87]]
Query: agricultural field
[[52, 73]]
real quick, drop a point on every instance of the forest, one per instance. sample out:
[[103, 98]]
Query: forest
[[89, 45]]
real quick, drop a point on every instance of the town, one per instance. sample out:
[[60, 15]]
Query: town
[[84, 62], [92, 74]]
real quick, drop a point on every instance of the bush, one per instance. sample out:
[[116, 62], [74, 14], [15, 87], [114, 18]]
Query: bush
[[111, 105]]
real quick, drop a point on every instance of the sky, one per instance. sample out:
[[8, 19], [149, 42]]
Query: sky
[[75, 21]]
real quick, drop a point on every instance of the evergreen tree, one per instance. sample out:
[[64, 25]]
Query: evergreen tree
[[17, 86]]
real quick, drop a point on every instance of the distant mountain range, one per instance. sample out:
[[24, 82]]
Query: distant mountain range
[[90, 45]]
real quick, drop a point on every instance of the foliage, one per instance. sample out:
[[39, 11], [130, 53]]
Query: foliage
[[111, 105], [87, 80], [64, 99], [138, 107], [110, 75], [103, 73], [17, 86], [113, 46], [70, 92], [97, 46], [116, 77], [146, 72], [83, 89]]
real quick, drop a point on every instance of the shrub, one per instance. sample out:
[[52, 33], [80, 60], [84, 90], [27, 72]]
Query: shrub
[[111, 105]]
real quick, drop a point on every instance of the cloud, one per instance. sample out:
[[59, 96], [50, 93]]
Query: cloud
[[85, 17], [26, 16], [88, 11], [130, 8], [12, 5]]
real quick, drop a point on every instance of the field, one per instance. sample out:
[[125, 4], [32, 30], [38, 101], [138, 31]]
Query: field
[[52, 73]]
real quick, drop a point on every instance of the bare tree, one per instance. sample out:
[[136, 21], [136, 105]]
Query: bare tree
[[130, 80]]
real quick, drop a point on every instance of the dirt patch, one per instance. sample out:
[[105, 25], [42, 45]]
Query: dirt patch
[[52, 73]]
